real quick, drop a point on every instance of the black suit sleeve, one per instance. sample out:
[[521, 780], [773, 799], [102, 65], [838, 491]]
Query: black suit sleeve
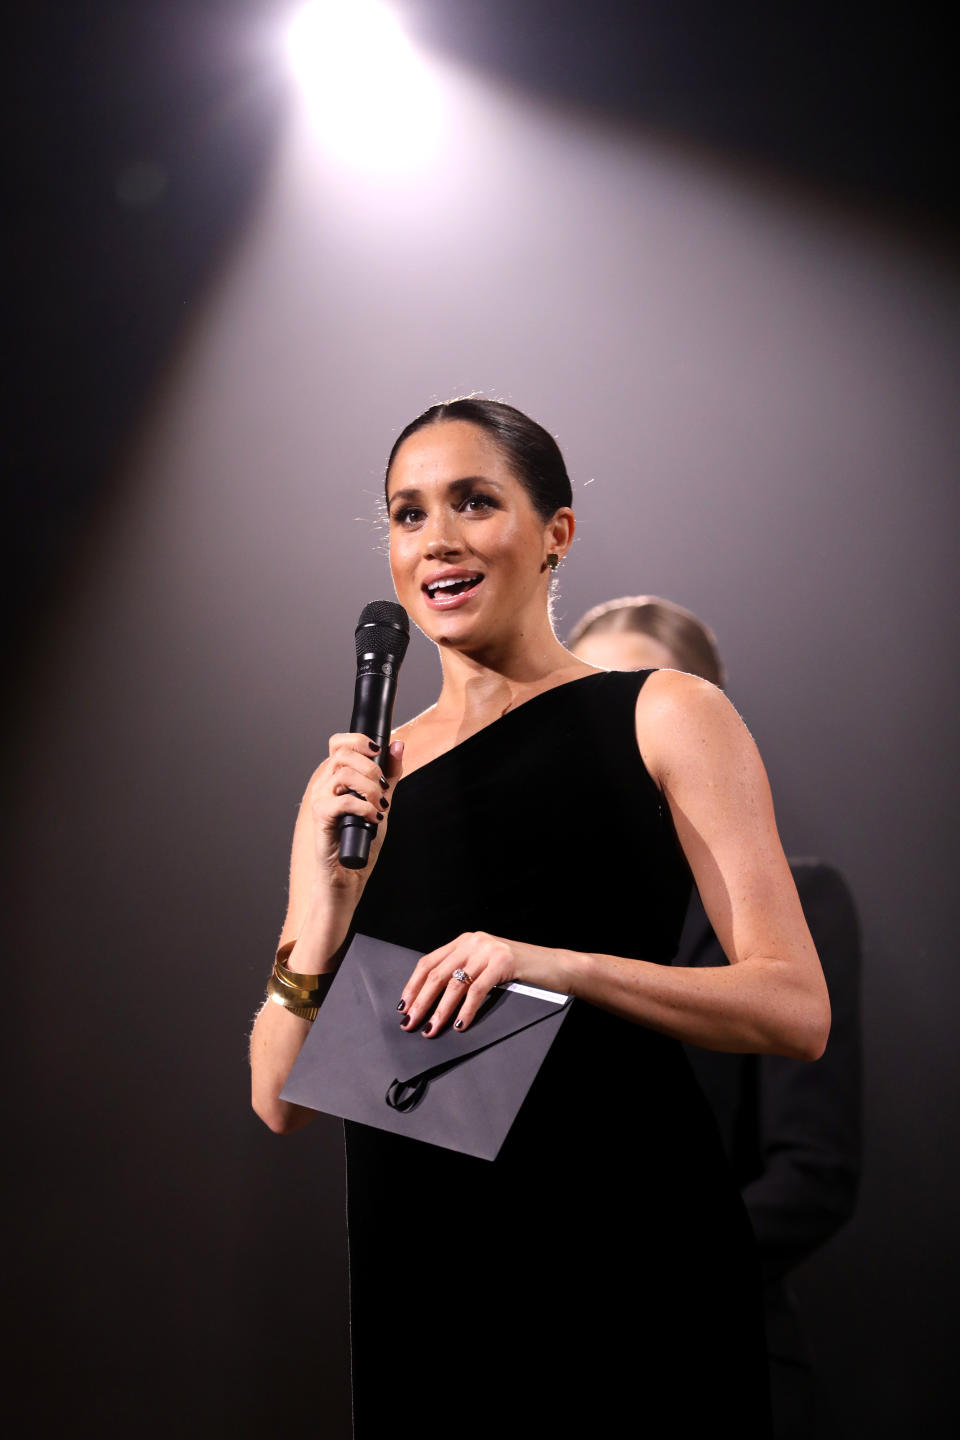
[[809, 1114]]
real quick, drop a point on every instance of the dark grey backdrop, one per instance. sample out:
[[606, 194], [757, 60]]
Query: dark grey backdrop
[[755, 391]]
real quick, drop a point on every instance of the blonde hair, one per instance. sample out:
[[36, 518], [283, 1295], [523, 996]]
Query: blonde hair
[[685, 636]]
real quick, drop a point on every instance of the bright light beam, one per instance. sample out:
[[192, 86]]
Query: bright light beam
[[370, 95]]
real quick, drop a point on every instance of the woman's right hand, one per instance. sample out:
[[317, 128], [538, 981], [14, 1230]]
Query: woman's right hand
[[350, 782], [323, 897]]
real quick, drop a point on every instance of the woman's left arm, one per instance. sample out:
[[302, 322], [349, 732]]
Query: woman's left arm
[[771, 998]]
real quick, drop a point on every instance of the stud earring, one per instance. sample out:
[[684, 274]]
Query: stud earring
[[553, 560]]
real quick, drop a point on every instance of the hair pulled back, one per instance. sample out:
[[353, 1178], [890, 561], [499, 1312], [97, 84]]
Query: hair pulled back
[[533, 453], [687, 637]]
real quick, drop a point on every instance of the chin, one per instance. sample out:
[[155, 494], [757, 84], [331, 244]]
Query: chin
[[447, 631], [456, 630]]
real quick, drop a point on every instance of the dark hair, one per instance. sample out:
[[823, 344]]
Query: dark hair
[[690, 640], [532, 451]]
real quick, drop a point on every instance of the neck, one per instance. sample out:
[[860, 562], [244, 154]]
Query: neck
[[484, 685]]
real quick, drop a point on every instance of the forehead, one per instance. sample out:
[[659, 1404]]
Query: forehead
[[449, 450]]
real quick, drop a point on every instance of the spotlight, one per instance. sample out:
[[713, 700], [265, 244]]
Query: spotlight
[[368, 91]]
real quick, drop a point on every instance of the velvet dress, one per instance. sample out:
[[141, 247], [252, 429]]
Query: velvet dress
[[601, 1272]]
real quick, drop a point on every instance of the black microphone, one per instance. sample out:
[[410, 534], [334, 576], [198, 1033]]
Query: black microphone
[[383, 634]]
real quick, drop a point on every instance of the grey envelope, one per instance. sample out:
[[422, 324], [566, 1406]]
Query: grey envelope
[[461, 1091]]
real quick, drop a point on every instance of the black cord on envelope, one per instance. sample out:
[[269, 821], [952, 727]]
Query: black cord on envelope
[[404, 1095]]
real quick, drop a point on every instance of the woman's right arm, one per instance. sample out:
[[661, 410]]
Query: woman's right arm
[[323, 897]]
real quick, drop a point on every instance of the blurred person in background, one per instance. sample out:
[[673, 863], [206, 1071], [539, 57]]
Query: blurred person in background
[[791, 1131]]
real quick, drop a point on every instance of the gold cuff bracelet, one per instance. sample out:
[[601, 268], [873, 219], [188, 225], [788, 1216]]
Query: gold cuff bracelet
[[300, 994]]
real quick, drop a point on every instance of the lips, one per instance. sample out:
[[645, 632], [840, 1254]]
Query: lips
[[451, 588]]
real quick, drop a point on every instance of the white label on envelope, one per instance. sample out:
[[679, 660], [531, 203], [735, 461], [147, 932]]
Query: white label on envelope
[[537, 994]]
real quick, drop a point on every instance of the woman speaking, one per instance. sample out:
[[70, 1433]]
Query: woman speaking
[[540, 823]]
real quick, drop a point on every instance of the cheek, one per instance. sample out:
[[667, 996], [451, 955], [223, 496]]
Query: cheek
[[403, 558], [398, 548], [523, 546], [513, 541], [394, 561]]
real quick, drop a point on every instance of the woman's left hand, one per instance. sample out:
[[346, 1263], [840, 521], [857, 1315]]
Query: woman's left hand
[[435, 991]]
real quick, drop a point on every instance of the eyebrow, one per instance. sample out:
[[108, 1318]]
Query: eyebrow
[[455, 487]]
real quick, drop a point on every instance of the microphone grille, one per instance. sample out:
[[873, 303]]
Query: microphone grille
[[383, 629]]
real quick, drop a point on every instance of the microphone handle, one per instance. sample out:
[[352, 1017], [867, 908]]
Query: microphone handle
[[373, 697]]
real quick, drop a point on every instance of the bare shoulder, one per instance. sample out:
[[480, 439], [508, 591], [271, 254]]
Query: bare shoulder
[[421, 740], [416, 723], [683, 721]]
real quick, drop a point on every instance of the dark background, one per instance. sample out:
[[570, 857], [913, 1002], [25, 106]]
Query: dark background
[[713, 249]]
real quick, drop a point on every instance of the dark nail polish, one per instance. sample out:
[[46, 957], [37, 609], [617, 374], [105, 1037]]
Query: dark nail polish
[[374, 747], [427, 1028], [405, 1021], [384, 802], [384, 782], [402, 1005], [379, 814], [458, 1024]]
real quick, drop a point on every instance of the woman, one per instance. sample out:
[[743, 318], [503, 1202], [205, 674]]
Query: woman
[[544, 829]]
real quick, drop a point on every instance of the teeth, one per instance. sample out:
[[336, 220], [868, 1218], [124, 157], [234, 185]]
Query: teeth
[[436, 585]]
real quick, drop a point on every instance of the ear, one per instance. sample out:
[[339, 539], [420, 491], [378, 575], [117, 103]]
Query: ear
[[559, 532]]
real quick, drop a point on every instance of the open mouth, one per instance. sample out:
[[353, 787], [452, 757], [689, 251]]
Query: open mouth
[[452, 587]]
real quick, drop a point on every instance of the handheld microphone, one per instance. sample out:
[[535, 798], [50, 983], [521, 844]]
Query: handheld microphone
[[383, 634]]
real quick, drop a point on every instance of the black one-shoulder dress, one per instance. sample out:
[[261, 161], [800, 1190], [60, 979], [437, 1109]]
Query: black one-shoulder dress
[[600, 1273]]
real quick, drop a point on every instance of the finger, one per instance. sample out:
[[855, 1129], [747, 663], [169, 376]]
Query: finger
[[425, 967], [425, 1002], [349, 777], [362, 744], [393, 761], [462, 967], [329, 793], [344, 758], [350, 803], [346, 769], [477, 993], [454, 996], [494, 962]]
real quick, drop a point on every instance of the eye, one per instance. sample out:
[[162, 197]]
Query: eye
[[479, 504], [407, 515]]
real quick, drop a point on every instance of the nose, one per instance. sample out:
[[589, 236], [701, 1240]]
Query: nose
[[441, 536]]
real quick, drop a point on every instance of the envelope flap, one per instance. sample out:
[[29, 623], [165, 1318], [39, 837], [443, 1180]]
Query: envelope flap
[[505, 1014]]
